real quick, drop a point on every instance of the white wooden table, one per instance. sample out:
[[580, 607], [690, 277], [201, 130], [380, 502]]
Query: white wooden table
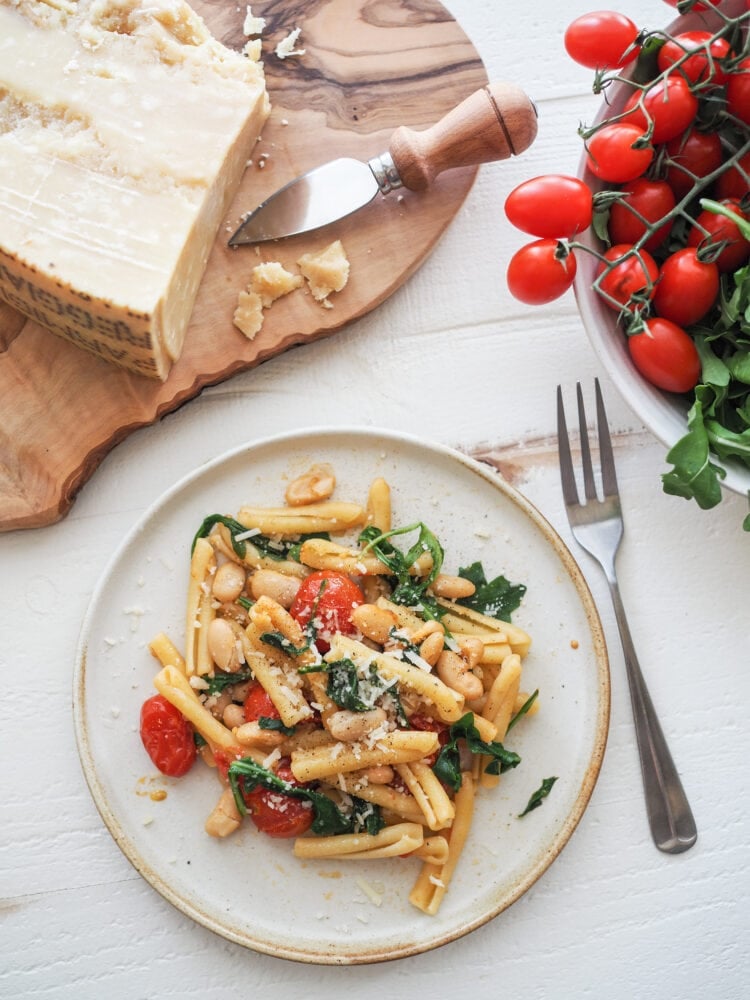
[[452, 358]]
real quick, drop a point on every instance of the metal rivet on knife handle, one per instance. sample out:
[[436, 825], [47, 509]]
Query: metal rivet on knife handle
[[494, 123]]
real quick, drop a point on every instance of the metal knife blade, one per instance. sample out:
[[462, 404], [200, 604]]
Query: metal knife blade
[[494, 123], [314, 199]]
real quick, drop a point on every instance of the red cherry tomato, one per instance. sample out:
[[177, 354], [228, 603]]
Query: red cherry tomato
[[704, 65], [611, 155], [550, 206], [629, 277], [669, 103], [258, 704], [665, 355], [276, 814], [687, 287], [733, 183], [332, 596], [644, 203], [738, 92], [167, 736], [712, 228], [540, 272], [427, 724], [603, 39], [694, 154]]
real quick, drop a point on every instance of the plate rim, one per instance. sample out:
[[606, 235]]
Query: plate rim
[[554, 848]]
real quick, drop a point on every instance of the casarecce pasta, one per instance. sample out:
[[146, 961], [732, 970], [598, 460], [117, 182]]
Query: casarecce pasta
[[349, 694]]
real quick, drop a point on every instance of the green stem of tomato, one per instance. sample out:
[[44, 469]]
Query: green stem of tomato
[[718, 209]]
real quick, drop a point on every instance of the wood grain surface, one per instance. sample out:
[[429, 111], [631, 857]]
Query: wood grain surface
[[369, 66]]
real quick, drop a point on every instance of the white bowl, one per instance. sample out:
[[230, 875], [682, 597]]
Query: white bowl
[[664, 414]]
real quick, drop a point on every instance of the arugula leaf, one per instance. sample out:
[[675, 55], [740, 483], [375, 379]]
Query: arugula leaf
[[235, 528], [350, 691], [538, 796], [280, 642], [220, 681], [409, 590], [447, 766], [497, 598], [266, 722], [245, 602], [523, 710], [694, 476], [198, 740], [245, 775]]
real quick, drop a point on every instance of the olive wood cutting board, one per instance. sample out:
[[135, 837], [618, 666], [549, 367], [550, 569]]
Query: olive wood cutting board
[[368, 67]]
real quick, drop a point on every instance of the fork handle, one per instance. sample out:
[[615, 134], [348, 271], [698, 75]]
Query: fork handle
[[669, 814]]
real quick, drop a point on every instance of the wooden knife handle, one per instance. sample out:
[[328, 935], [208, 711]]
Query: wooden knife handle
[[494, 123]]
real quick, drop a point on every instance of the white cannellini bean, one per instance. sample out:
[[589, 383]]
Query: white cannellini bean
[[279, 587], [229, 582], [452, 587], [374, 622], [234, 715], [222, 645], [352, 726], [313, 486], [454, 671]]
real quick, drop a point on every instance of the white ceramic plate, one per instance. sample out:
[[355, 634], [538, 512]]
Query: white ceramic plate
[[251, 889], [664, 414]]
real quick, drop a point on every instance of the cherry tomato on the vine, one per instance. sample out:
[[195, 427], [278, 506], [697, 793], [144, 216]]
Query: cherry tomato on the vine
[[258, 704], [733, 183], [738, 92], [693, 155], [167, 736], [644, 202], [669, 103], [665, 355], [602, 39], [332, 597], [696, 7], [553, 205], [276, 814], [713, 228], [627, 274], [704, 64], [541, 271], [612, 155], [687, 287]]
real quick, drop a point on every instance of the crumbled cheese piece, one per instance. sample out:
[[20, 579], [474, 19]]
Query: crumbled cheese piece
[[271, 280], [375, 897], [198, 683], [436, 881], [326, 271], [417, 661], [248, 316], [250, 533], [286, 48], [252, 50], [253, 25], [272, 758]]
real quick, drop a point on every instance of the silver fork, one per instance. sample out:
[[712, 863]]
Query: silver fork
[[597, 526]]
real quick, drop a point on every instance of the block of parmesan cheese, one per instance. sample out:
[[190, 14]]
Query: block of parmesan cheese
[[124, 130]]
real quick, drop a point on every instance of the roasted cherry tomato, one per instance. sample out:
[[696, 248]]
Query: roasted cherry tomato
[[550, 206], [712, 228], [332, 597], [167, 736], [540, 272], [644, 202], [427, 724], [258, 705], [611, 153], [738, 92], [632, 275], [665, 355], [704, 65], [669, 103], [603, 39], [687, 287], [733, 183], [276, 814], [693, 155]]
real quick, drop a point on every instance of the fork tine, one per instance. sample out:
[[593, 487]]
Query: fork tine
[[607, 459], [567, 476], [589, 486]]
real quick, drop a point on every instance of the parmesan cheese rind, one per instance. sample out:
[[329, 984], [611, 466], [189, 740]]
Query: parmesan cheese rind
[[124, 130]]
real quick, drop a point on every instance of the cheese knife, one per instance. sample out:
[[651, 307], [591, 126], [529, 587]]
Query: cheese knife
[[494, 123]]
